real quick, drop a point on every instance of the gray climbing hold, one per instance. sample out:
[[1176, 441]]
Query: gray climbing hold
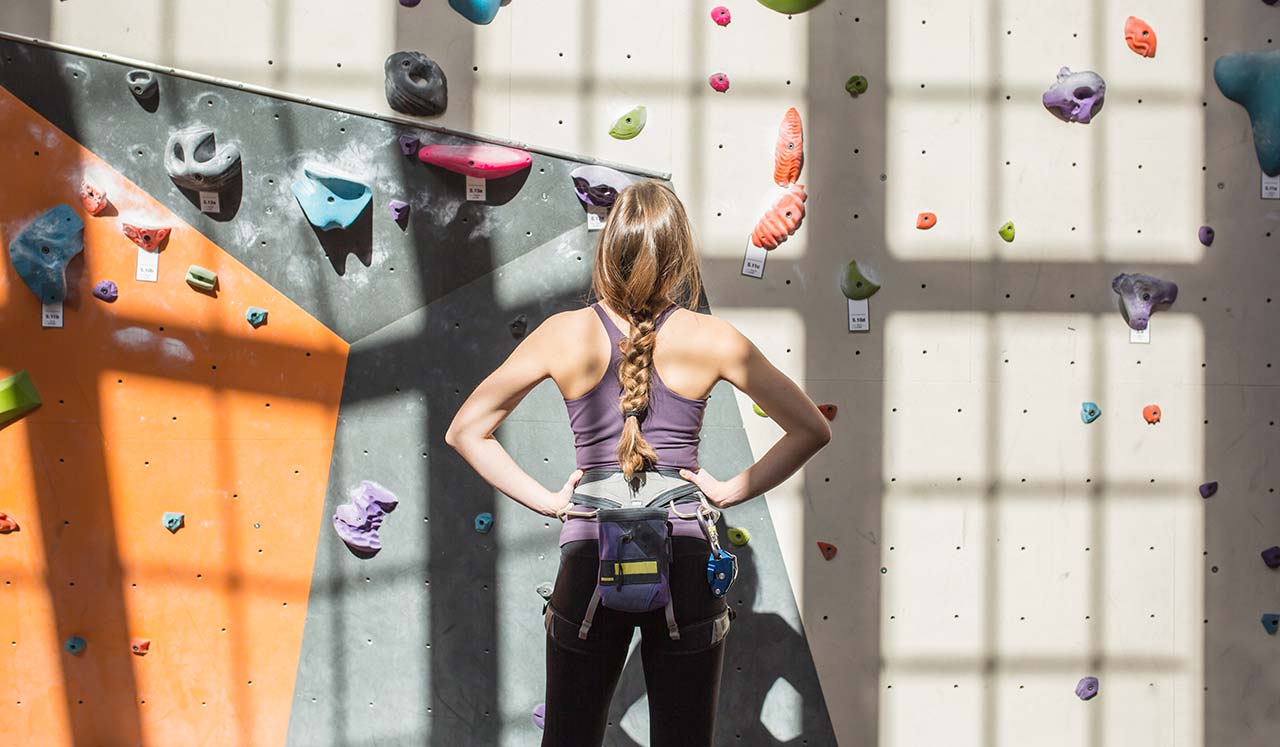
[[415, 84], [255, 316], [409, 144], [42, 251], [106, 290], [544, 590], [142, 84], [195, 161], [330, 200], [1140, 295], [1208, 489], [1076, 97], [75, 645], [1087, 688], [358, 521], [519, 326], [598, 186], [173, 520]]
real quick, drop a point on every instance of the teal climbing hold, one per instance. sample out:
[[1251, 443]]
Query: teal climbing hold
[[43, 249], [75, 645], [484, 522], [1089, 412], [173, 520], [256, 316], [477, 11], [1271, 622], [18, 396], [329, 199], [1252, 79]]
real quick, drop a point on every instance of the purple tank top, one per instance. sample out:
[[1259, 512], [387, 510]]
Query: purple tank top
[[671, 425]]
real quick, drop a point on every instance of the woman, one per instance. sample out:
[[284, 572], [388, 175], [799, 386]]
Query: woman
[[635, 370]]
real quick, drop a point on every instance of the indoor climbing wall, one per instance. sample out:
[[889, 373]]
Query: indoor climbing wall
[[1007, 523]]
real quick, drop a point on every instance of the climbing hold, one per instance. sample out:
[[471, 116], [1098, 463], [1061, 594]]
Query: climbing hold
[[410, 3], [790, 7], [781, 220], [739, 536], [1087, 688], [629, 125], [409, 144], [140, 646], [195, 161], [330, 200], [93, 199], [519, 326], [720, 15], [201, 279], [142, 84], [758, 411], [828, 411], [544, 589], [1151, 414], [481, 161], [147, 237], [173, 520], [106, 290], [484, 522], [1208, 489], [1140, 295], [1076, 97], [540, 715], [788, 152], [1271, 621], [415, 84], [18, 396], [1252, 79], [1271, 556], [1089, 412], [856, 85], [719, 82], [598, 186], [827, 549], [255, 316], [75, 645], [477, 11], [1140, 37], [925, 221], [357, 521], [7, 523], [1206, 235], [858, 283], [43, 249], [399, 210], [1007, 231]]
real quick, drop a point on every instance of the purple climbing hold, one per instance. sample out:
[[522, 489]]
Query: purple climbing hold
[[1087, 688], [106, 290], [399, 210], [1076, 97], [409, 144], [358, 520], [1140, 295], [540, 715], [410, 3], [1206, 235], [598, 186], [1208, 489], [1271, 556]]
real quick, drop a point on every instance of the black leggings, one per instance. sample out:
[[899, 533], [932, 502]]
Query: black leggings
[[682, 676]]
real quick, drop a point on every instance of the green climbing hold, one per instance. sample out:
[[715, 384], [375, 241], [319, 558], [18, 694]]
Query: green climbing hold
[[858, 283], [790, 7], [201, 279], [739, 536], [856, 85], [18, 396], [759, 412], [629, 125], [1006, 231]]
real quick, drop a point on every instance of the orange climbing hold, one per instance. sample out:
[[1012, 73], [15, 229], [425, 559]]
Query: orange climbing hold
[[1140, 37], [829, 411], [7, 524], [140, 646], [146, 237], [827, 549], [781, 220], [925, 221], [788, 158], [1151, 413]]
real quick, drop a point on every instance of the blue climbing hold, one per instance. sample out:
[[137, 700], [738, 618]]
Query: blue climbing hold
[[1252, 80], [256, 316], [75, 645], [1089, 412], [484, 522], [1271, 622], [173, 520], [331, 200], [43, 249], [477, 11]]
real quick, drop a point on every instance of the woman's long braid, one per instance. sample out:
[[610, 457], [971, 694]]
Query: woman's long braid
[[634, 372]]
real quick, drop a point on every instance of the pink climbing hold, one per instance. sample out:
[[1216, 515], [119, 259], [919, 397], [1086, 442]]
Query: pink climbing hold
[[720, 82], [7, 524], [720, 15], [147, 237], [93, 199], [482, 161], [140, 646]]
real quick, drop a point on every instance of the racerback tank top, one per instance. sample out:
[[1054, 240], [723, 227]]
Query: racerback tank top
[[671, 423]]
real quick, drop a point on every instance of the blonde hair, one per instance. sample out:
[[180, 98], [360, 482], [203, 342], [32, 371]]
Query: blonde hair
[[645, 261]]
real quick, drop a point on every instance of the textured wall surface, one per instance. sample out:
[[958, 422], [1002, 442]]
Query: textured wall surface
[[993, 549]]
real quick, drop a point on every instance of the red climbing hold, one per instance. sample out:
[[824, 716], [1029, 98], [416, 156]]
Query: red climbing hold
[[140, 646], [829, 411], [1151, 413], [1140, 37], [146, 237], [7, 524], [827, 549], [925, 221], [93, 199]]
